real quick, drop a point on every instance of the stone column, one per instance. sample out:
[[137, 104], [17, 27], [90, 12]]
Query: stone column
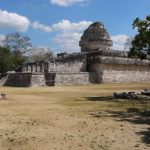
[[31, 67], [38, 67], [49, 67], [34, 68], [53, 67], [46, 67], [26, 67], [41, 67]]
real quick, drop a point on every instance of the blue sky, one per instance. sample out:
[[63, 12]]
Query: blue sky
[[58, 24]]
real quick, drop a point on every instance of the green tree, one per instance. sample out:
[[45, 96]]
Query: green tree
[[141, 42], [17, 60], [19, 45], [5, 60]]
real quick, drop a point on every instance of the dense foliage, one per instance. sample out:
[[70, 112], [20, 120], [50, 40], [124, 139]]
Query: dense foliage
[[5, 60], [12, 53], [141, 42], [18, 59], [17, 49]]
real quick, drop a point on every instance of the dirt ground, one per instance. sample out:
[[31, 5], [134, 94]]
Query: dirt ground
[[73, 118]]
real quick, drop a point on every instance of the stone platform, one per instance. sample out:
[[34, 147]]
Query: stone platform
[[47, 79]]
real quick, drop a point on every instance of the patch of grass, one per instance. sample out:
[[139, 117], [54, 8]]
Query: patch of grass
[[90, 96]]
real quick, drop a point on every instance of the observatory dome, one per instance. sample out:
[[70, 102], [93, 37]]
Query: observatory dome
[[95, 38]]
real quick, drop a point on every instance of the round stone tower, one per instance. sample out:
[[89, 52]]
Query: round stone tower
[[95, 38]]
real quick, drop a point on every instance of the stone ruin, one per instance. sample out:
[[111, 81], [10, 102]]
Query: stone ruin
[[96, 63], [95, 38]]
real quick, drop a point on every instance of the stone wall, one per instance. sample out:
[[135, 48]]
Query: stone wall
[[49, 79], [114, 76], [18, 80], [74, 78], [70, 66], [38, 80], [115, 73], [35, 67], [25, 80], [101, 69], [62, 66]]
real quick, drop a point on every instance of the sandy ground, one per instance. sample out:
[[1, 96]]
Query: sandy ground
[[71, 118]]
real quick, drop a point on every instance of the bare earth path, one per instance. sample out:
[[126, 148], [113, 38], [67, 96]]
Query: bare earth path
[[72, 118]]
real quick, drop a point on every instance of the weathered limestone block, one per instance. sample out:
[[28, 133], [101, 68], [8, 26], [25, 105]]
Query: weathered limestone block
[[70, 67], [29, 68], [38, 80], [72, 79], [112, 76], [115, 70]]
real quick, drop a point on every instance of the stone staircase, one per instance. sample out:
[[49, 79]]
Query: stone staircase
[[28, 79], [3, 80], [17, 80], [50, 79], [38, 80]]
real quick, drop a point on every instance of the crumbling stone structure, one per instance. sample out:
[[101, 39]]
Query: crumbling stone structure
[[96, 63], [95, 38]]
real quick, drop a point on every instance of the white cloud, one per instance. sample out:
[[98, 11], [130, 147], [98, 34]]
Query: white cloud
[[119, 41], [68, 42], [68, 2], [69, 34], [9, 20], [2, 38], [66, 25], [36, 25]]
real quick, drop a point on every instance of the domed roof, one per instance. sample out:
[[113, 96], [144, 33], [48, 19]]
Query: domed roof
[[95, 37], [97, 25]]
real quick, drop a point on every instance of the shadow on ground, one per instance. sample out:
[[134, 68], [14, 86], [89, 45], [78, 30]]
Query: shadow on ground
[[141, 99], [101, 98], [136, 112]]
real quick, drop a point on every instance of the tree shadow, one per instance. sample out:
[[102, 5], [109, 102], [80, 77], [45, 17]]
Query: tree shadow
[[113, 99], [146, 136], [101, 98], [133, 113]]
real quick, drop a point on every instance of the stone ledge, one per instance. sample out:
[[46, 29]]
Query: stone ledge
[[120, 61]]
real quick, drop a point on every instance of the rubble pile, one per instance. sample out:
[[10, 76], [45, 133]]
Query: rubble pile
[[133, 95]]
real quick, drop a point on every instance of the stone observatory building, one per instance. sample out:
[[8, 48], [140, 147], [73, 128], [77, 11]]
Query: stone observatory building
[[96, 63], [95, 37]]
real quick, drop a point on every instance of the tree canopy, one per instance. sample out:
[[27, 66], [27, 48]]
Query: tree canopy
[[19, 45], [141, 41], [17, 49], [17, 42], [5, 60], [41, 54]]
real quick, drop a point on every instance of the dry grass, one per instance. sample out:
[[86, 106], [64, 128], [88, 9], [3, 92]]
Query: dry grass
[[72, 118]]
